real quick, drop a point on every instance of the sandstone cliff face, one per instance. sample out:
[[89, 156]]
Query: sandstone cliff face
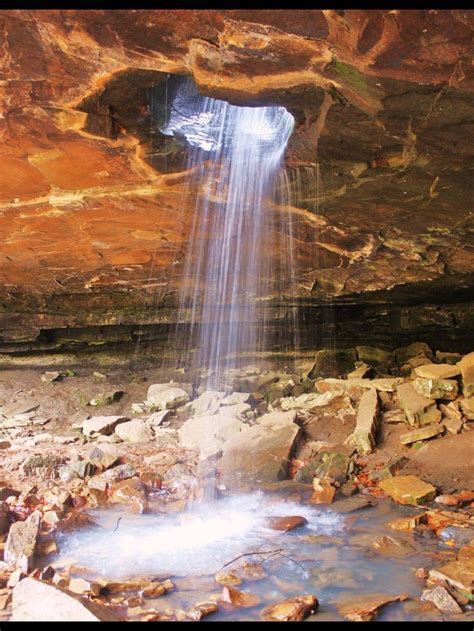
[[94, 220]]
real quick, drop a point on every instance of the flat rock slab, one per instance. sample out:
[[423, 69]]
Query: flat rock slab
[[364, 608], [408, 489], [261, 452], [35, 601], [292, 610], [208, 433], [365, 430], [351, 504], [421, 433], [419, 410], [104, 425], [393, 547], [437, 371]]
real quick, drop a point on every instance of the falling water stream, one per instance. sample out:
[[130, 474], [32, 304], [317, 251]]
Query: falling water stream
[[235, 154]]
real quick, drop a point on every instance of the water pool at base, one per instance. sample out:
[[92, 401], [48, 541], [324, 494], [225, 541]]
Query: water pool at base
[[332, 556]]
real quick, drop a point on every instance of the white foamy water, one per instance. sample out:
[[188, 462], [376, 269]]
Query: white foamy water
[[199, 541]]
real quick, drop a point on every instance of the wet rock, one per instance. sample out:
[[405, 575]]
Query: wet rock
[[35, 601], [408, 523], [292, 610], [130, 492], [365, 608], [166, 396], [389, 470], [408, 489], [104, 456], [209, 433], [285, 524], [323, 492], [456, 536], [334, 466], [457, 574], [466, 365], [102, 424], [237, 598], [261, 452], [417, 349], [333, 363], [441, 599], [151, 480], [422, 433], [348, 489], [351, 504], [118, 473], [419, 410], [136, 431], [21, 542], [466, 553], [363, 437], [436, 388], [393, 547], [201, 610], [227, 579]]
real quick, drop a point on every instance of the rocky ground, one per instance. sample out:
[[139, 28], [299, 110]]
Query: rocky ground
[[357, 426]]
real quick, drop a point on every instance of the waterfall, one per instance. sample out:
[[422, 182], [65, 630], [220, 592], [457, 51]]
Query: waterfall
[[235, 154]]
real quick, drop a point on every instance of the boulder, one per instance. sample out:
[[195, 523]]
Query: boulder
[[21, 542], [419, 410], [261, 452], [333, 363], [166, 396], [436, 388], [408, 489], [467, 406], [466, 365], [393, 547], [157, 418], [417, 349], [334, 466], [131, 492], [376, 357], [35, 601], [285, 524], [458, 574], [4, 518], [136, 431], [104, 425], [208, 433]]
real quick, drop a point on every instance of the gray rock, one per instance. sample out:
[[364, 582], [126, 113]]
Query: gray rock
[[166, 396], [35, 601], [157, 418], [207, 403], [21, 542], [208, 433], [103, 456], [441, 599], [333, 363], [260, 452], [136, 431], [102, 424]]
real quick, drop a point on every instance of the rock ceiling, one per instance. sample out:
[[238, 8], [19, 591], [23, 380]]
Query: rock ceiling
[[92, 219]]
